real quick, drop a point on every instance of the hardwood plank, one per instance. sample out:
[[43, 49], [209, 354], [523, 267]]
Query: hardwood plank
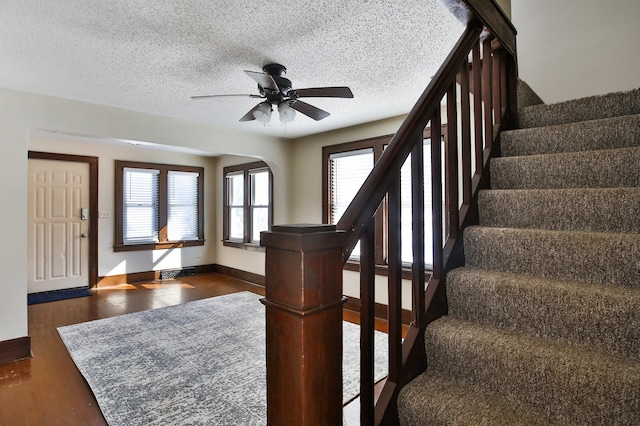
[[48, 389]]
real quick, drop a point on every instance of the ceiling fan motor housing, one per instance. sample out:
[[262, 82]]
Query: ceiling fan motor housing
[[277, 72], [274, 70]]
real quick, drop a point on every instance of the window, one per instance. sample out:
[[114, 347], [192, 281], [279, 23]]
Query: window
[[248, 203], [158, 206], [345, 168]]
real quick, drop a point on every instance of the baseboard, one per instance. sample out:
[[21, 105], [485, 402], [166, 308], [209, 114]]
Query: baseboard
[[15, 349], [241, 275], [136, 277]]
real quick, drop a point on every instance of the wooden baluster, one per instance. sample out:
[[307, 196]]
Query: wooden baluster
[[512, 90], [451, 161], [476, 69], [436, 193], [503, 82], [465, 124], [380, 218], [367, 324], [395, 281], [417, 213], [486, 94], [496, 82], [304, 324]]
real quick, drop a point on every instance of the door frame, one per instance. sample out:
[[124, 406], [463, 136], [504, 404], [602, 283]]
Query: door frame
[[93, 203]]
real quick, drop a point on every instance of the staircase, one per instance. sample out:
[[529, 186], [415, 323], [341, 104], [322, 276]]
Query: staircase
[[544, 318]]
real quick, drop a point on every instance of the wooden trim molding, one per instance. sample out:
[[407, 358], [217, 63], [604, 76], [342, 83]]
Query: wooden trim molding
[[137, 277], [164, 170], [15, 349], [241, 275], [93, 203], [246, 242]]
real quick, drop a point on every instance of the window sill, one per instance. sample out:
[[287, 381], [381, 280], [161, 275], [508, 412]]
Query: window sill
[[243, 246], [158, 246]]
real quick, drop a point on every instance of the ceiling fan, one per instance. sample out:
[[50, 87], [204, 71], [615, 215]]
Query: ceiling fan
[[276, 91]]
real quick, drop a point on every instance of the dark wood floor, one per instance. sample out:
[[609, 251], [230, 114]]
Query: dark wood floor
[[47, 389]]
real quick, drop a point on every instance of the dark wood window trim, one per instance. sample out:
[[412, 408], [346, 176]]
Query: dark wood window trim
[[246, 169], [163, 243], [93, 203], [377, 144]]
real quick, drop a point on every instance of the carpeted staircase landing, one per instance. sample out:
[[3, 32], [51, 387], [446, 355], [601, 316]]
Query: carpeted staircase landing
[[544, 319]]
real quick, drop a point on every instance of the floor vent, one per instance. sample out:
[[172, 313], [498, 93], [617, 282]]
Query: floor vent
[[168, 274]]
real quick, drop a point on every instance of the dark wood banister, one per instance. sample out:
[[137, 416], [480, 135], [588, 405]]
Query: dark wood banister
[[375, 187], [304, 262]]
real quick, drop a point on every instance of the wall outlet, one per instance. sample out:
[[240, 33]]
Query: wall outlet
[[198, 254]]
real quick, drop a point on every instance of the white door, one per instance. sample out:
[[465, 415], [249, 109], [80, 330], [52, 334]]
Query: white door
[[58, 225]]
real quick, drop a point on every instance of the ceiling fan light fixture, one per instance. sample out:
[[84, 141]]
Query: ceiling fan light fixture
[[287, 113], [263, 112]]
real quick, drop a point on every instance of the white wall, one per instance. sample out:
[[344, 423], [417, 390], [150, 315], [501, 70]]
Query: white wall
[[505, 5], [22, 112], [116, 263], [574, 48]]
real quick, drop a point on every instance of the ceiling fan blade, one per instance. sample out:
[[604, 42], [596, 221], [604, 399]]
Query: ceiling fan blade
[[325, 92], [249, 116], [224, 96], [264, 80], [309, 110]]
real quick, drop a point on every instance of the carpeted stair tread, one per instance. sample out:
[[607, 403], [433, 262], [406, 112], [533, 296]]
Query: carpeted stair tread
[[593, 257], [581, 209], [608, 133], [543, 322], [606, 318], [586, 169], [568, 384], [452, 402], [584, 109]]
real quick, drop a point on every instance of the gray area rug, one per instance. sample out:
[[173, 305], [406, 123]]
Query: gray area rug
[[198, 363]]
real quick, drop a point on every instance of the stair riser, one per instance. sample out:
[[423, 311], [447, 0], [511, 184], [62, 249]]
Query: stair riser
[[597, 210], [591, 169], [592, 108], [611, 133], [553, 381], [575, 313], [465, 403], [544, 319], [598, 258]]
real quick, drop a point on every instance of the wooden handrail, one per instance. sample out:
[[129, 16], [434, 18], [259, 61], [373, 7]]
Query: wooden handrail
[[374, 188], [304, 263], [490, 15]]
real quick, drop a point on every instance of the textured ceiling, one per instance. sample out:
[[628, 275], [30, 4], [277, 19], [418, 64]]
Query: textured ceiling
[[153, 55]]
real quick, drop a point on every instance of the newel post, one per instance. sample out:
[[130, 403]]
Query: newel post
[[304, 324]]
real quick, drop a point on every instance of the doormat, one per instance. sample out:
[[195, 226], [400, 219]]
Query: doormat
[[52, 296]]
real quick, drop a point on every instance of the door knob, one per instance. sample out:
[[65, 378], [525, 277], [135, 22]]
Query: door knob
[[84, 235]]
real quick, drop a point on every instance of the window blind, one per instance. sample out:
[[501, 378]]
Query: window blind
[[182, 215], [140, 205], [348, 171]]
